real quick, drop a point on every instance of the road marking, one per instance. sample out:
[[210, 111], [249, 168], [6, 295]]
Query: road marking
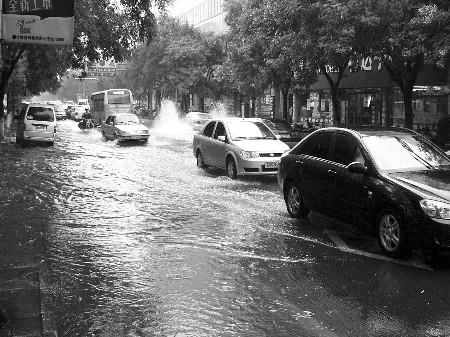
[[341, 245]]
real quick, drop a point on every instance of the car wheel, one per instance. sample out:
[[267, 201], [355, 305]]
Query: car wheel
[[104, 135], [200, 162], [294, 201], [391, 233], [231, 168]]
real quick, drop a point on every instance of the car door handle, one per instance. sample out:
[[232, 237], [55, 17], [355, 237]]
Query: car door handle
[[332, 172]]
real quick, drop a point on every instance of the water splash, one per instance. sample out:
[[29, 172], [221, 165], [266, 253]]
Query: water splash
[[219, 110], [169, 123]]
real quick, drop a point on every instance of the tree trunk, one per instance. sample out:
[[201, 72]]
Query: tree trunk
[[285, 107], [334, 86], [2, 110], [409, 116], [336, 106], [149, 99], [404, 73], [7, 67]]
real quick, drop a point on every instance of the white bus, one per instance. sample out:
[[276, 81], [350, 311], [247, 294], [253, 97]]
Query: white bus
[[104, 103]]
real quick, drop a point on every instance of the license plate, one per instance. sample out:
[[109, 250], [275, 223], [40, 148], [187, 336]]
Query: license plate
[[40, 127], [271, 164]]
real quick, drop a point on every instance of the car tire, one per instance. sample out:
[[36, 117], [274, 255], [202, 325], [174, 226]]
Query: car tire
[[200, 162], [231, 168], [294, 201], [391, 233], [104, 135]]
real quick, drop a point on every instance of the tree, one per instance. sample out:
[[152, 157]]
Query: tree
[[180, 59], [103, 29], [259, 51], [407, 35]]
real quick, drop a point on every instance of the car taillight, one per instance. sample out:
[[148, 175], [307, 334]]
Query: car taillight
[[54, 129], [24, 126]]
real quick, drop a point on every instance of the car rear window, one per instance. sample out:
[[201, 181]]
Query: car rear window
[[39, 113]]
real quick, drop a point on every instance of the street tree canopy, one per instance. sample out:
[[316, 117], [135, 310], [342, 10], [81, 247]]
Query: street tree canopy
[[104, 29], [178, 58], [407, 35]]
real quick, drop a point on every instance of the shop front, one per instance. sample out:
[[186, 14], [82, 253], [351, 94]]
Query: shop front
[[370, 97]]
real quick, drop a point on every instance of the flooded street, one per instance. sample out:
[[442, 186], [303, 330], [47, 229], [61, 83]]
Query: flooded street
[[140, 242]]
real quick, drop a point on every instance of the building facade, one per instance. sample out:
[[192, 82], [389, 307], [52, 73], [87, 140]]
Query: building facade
[[206, 15]]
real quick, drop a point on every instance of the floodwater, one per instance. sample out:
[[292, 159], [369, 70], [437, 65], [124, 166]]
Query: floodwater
[[140, 242]]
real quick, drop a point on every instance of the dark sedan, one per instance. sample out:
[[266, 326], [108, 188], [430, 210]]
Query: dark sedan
[[392, 181], [285, 132]]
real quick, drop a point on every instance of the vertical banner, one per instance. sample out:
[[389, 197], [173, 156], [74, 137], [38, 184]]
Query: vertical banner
[[38, 21]]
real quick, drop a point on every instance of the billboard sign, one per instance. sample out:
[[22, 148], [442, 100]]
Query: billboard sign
[[38, 21]]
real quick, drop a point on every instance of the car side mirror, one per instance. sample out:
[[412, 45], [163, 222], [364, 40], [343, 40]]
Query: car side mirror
[[221, 138], [356, 167]]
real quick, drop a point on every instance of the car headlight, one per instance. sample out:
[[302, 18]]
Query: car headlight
[[436, 209], [249, 154], [144, 131]]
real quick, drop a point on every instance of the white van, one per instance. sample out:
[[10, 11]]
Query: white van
[[36, 122]]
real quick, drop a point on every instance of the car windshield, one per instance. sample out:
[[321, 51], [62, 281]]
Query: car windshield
[[404, 153], [38, 113], [127, 119], [249, 130]]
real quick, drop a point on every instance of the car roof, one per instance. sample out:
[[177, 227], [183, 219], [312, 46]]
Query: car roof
[[369, 130], [40, 105], [122, 113], [234, 119]]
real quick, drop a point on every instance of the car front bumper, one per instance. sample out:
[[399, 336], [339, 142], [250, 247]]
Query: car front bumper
[[258, 166], [427, 232], [143, 137]]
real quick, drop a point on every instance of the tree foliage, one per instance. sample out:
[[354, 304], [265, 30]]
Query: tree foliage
[[406, 35], [103, 29], [180, 58]]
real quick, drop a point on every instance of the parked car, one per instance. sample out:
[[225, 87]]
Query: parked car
[[241, 146], [393, 182], [285, 132], [197, 119], [37, 123], [124, 127]]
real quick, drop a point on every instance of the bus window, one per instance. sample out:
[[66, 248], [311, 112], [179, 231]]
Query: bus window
[[118, 97]]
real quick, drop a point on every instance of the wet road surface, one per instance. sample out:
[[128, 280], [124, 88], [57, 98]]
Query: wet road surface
[[140, 242]]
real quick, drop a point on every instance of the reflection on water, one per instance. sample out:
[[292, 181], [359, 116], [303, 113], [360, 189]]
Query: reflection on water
[[143, 243]]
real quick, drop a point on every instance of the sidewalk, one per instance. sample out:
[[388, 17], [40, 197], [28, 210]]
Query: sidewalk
[[25, 301]]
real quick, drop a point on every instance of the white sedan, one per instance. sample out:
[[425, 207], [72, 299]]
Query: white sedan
[[241, 146], [124, 127], [196, 119]]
